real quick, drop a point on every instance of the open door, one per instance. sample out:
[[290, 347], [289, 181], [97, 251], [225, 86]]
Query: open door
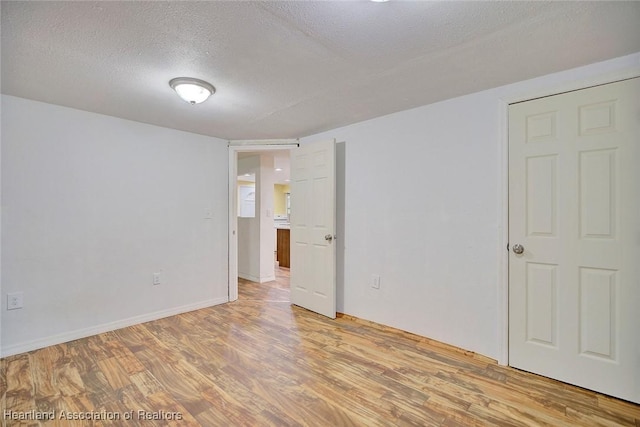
[[313, 225]]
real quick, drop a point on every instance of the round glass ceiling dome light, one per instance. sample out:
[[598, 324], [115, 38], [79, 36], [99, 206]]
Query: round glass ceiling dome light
[[194, 91]]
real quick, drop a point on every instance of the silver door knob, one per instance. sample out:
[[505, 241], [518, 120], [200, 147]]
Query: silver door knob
[[328, 238], [518, 249]]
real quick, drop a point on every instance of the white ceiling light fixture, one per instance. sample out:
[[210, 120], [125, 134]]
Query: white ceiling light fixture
[[194, 91]]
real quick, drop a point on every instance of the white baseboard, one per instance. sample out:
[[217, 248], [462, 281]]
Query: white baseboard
[[106, 327], [249, 277], [252, 278]]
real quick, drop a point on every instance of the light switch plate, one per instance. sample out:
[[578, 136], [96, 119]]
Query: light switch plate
[[375, 281]]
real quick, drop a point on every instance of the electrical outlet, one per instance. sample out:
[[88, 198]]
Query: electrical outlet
[[375, 281], [15, 301], [156, 278]]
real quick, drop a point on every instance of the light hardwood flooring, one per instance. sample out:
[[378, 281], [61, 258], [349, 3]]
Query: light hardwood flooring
[[261, 362]]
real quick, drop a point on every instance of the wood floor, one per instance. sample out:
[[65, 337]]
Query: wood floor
[[261, 362]]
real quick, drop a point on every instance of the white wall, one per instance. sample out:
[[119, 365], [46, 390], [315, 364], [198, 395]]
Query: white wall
[[424, 193], [264, 208], [255, 235], [249, 228], [92, 206], [249, 249]]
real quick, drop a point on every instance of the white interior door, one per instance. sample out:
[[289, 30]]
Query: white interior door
[[313, 225], [574, 207]]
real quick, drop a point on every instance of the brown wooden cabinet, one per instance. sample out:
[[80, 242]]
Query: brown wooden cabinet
[[283, 244]]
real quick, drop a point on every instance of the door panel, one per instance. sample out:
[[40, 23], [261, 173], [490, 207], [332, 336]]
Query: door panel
[[598, 309], [542, 215], [598, 171], [313, 218], [541, 304], [574, 204]]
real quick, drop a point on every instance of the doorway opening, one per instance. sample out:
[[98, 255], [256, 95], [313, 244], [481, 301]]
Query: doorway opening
[[261, 168]]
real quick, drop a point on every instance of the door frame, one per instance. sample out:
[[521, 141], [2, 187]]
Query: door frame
[[235, 147], [503, 153]]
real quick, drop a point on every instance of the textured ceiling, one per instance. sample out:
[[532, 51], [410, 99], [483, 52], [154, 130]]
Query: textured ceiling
[[291, 69]]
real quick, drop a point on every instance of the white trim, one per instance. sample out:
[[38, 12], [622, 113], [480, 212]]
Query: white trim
[[232, 281], [1, 293], [234, 148], [249, 277], [579, 84], [503, 237], [256, 279], [106, 327], [263, 142], [503, 258]]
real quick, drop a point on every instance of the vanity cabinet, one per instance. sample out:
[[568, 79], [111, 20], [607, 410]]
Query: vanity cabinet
[[283, 245]]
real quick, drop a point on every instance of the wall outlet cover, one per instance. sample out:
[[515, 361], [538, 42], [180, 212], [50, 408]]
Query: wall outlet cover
[[15, 300]]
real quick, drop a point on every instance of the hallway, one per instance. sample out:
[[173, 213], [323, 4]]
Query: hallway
[[276, 291]]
